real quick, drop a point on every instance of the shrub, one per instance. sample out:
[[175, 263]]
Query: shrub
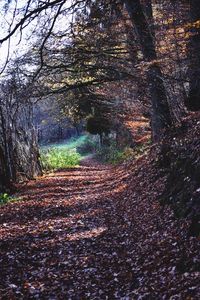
[[55, 158]]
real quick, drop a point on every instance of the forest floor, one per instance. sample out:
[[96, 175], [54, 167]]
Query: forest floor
[[96, 232]]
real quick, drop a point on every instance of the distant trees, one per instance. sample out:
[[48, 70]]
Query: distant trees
[[52, 123], [82, 69]]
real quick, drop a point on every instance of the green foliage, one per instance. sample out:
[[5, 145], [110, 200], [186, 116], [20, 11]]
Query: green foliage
[[5, 198], [112, 155], [90, 145], [58, 158]]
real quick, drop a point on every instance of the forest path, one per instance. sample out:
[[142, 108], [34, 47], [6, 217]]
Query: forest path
[[96, 232], [57, 243]]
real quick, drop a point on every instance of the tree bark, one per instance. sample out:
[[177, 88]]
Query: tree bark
[[161, 117], [193, 100], [19, 156]]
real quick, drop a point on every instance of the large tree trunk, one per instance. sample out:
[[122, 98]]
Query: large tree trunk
[[19, 155], [161, 117], [4, 178], [193, 100]]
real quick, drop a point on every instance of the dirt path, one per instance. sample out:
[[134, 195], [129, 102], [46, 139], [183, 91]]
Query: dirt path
[[57, 245], [96, 232]]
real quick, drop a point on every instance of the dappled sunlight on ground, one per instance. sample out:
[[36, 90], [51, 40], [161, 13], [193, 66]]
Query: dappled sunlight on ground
[[86, 234], [95, 232]]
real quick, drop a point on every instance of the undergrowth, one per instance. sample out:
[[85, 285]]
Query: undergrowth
[[89, 145], [5, 198], [113, 155], [55, 158]]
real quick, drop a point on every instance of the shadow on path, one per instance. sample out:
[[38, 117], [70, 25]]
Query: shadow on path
[[57, 242]]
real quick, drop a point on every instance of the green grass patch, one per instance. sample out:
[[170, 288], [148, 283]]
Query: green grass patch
[[58, 158], [71, 144], [66, 154], [5, 198]]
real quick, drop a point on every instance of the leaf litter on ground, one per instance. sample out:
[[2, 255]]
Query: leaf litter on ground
[[109, 239]]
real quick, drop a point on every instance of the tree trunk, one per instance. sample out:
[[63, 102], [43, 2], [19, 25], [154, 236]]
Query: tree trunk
[[193, 100], [4, 179], [100, 139], [161, 117], [19, 155]]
